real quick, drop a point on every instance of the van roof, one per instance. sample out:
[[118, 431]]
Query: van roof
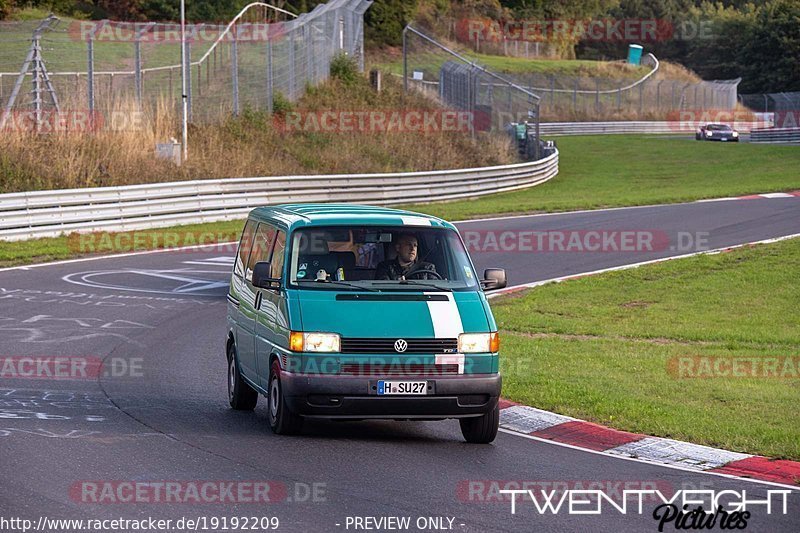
[[345, 214]]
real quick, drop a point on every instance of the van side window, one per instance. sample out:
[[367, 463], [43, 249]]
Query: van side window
[[245, 245], [262, 247], [278, 254]]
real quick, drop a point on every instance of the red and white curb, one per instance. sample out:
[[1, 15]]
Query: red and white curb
[[586, 435], [769, 195]]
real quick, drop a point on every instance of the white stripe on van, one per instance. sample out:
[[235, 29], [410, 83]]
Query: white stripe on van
[[451, 359], [445, 317]]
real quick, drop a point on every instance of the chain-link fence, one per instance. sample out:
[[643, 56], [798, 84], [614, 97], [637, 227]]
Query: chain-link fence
[[493, 101], [649, 97], [263, 56], [627, 93], [771, 102]]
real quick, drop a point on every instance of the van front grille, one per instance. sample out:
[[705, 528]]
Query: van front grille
[[414, 346], [400, 369]]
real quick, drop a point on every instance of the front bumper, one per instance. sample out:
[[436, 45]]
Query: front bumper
[[341, 396]]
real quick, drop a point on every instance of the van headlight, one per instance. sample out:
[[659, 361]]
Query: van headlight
[[479, 342], [303, 341]]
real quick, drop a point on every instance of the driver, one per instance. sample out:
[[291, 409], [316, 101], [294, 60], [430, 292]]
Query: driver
[[405, 263]]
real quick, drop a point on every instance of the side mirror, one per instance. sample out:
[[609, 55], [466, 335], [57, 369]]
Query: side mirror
[[261, 276], [494, 278]]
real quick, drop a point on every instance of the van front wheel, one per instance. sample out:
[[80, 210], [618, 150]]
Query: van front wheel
[[281, 420], [481, 429], [241, 396]]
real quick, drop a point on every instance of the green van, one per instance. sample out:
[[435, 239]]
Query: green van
[[354, 312]]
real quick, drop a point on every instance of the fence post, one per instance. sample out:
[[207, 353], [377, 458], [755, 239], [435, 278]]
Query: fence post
[[137, 50], [405, 60], [597, 94], [90, 74], [235, 70], [575, 97], [619, 98], [641, 97], [270, 95], [292, 70], [309, 57], [672, 97], [189, 79], [658, 95]]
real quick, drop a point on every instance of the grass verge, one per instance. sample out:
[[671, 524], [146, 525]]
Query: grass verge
[[625, 170], [608, 349]]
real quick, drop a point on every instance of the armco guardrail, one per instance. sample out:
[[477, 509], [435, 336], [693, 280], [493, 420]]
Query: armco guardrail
[[644, 127], [775, 135], [51, 213]]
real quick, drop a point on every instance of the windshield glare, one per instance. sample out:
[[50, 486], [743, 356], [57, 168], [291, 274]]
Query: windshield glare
[[369, 257]]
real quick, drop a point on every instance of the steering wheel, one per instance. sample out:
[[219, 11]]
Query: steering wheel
[[414, 273]]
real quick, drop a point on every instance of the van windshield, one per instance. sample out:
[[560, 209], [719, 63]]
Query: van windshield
[[377, 258]]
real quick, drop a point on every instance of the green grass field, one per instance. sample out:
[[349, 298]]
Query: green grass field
[[624, 170], [604, 348]]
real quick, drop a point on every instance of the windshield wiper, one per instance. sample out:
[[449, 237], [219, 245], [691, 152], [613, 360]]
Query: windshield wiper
[[417, 283], [346, 284]]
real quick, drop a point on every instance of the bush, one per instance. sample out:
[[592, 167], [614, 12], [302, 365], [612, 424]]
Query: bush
[[344, 68], [280, 104], [5, 9]]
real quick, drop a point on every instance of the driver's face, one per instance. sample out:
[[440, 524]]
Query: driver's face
[[407, 249]]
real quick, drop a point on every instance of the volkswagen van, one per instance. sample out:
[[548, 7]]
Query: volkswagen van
[[354, 312]]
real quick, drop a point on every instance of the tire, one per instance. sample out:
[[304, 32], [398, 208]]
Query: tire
[[481, 429], [281, 420], [241, 396]]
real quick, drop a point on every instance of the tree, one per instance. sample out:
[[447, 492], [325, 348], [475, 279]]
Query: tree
[[385, 21], [769, 54], [5, 9]]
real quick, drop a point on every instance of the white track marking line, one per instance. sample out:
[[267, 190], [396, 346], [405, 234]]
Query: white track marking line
[[523, 286], [777, 195]]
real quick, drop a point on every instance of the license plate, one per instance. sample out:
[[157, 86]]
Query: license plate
[[723, 139], [410, 388]]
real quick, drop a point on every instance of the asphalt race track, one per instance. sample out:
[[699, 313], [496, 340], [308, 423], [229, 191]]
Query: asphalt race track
[[158, 411]]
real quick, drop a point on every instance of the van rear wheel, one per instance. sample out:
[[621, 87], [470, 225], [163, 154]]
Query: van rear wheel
[[281, 420], [481, 429], [241, 396]]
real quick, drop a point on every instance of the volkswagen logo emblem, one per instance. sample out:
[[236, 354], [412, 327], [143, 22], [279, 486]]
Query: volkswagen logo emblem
[[400, 345]]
